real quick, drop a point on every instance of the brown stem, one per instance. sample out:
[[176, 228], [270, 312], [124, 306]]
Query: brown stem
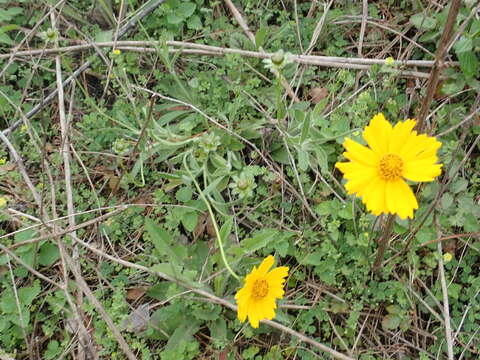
[[383, 242], [438, 65]]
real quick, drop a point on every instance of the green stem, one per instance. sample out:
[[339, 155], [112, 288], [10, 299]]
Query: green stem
[[212, 216]]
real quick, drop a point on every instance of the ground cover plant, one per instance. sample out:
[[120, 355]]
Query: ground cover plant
[[239, 180]]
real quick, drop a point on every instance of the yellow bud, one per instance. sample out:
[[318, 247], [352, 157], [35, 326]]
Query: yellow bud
[[356, 133], [3, 201], [117, 52], [447, 257], [23, 128], [3, 161]]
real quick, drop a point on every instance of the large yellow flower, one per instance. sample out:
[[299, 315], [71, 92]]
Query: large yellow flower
[[377, 173], [256, 299]]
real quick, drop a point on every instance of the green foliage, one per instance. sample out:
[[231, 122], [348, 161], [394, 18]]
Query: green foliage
[[265, 165]]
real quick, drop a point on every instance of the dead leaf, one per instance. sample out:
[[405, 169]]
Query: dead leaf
[[138, 320], [113, 182], [135, 293], [317, 94], [201, 226]]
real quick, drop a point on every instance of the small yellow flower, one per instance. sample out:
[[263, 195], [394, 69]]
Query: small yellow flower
[[116, 52], [389, 61], [23, 128], [3, 161], [447, 257], [256, 299], [3, 201], [377, 173]]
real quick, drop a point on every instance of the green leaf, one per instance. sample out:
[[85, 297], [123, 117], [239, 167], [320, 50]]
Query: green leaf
[[26, 295], [8, 304], [162, 240], [305, 128], [313, 258], [169, 269], [423, 22], [468, 63], [260, 36], [53, 350], [447, 200], [226, 229], [195, 23], [48, 254], [218, 329], [186, 9], [7, 15], [322, 159], [459, 186], [24, 235], [464, 44], [173, 19], [303, 163], [189, 220], [260, 240], [184, 332], [104, 36], [184, 194]]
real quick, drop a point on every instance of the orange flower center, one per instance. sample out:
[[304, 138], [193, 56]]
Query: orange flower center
[[260, 289], [390, 167]]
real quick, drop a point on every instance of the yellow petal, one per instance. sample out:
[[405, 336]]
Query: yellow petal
[[242, 311], [422, 171], [252, 316], [419, 146], [407, 200], [266, 264], [374, 197], [400, 199], [359, 153], [401, 133], [358, 183], [276, 274], [377, 134]]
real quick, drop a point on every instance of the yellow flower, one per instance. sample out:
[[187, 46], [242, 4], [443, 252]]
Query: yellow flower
[[377, 173], [3, 201], [116, 52], [389, 60], [256, 299], [447, 257]]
